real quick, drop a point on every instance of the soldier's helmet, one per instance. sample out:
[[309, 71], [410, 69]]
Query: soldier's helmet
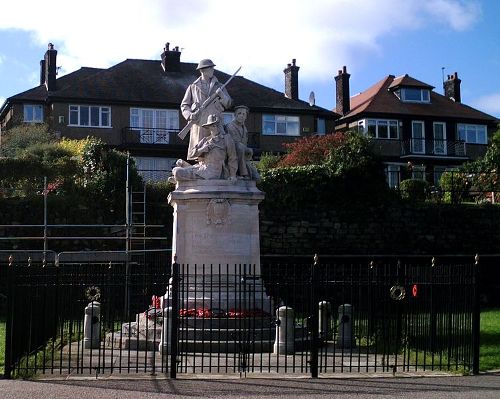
[[206, 63]]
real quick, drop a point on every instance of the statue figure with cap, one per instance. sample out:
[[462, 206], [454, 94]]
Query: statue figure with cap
[[238, 131], [215, 154], [196, 94]]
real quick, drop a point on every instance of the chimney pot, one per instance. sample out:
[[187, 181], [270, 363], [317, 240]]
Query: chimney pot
[[344, 69], [171, 59]]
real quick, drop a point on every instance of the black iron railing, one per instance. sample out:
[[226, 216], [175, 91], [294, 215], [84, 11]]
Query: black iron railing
[[149, 135], [442, 148], [290, 315]]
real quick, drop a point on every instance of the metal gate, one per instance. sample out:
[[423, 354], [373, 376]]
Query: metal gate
[[112, 312]]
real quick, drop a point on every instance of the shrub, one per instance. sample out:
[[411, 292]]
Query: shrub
[[268, 161], [20, 137], [414, 189], [455, 185]]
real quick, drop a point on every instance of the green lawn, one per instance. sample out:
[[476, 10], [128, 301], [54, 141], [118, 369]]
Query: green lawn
[[489, 358]]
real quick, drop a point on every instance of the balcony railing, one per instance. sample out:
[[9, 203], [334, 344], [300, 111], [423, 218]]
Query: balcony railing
[[148, 135], [444, 148]]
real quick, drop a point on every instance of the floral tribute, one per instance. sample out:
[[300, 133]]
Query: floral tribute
[[155, 310]]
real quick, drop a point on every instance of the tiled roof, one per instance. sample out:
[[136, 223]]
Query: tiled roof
[[380, 99], [145, 82]]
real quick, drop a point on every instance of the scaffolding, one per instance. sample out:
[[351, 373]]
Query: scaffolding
[[135, 233]]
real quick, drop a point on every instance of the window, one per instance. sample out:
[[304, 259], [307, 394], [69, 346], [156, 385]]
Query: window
[[33, 113], [439, 130], [474, 134], [418, 172], [414, 94], [280, 125], [154, 125], [381, 128], [320, 126], [417, 137], [154, 169], [392, 175], [89, 115]]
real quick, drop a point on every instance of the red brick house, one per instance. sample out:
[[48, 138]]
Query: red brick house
[[411, 123], [134, 106]]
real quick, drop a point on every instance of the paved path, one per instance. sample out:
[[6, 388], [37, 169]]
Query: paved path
[[484, 386]]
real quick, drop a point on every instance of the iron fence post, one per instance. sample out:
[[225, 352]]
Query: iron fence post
[[175, 320], [476, 318], [8, 325], [314, 321]]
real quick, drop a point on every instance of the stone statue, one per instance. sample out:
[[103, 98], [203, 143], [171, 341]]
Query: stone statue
[[238, 131], [196, 94], [215, 154]]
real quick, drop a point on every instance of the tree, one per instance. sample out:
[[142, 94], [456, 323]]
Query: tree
[[21, 137]]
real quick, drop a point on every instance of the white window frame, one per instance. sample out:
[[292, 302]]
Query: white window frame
[[464, 129], [440, 147], [154, 169], [393, 174], [425, 95], [33, 113], [366, 123], [418, 172], [280, 125], [154, 125], [84, 116], [417, 143]]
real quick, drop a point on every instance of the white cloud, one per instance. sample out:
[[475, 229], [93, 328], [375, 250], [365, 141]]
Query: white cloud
[[261, 35], [489, 103], [2, 100], [460, 15]]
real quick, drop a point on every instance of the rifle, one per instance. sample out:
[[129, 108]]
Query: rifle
[[183, 133]]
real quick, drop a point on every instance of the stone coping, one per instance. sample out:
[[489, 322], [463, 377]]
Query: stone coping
[[196, 189]]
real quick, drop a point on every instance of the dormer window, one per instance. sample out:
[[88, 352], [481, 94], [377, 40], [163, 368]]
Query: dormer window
[[414, 95]]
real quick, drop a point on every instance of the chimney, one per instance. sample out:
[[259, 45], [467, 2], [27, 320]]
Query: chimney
[[49, 64], [171, 59], [343, 100], [452, 87], [292, 81]]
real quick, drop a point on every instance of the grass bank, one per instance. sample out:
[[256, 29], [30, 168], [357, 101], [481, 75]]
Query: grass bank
[[489, 358]]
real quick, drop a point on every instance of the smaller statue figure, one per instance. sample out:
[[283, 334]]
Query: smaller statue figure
[[238, 131], [216, 156]]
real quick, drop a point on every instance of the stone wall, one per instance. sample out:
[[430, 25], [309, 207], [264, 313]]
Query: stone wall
[[395, 229]]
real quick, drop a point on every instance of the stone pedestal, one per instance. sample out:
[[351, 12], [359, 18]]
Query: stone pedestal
[[216, 242], [216, 222]]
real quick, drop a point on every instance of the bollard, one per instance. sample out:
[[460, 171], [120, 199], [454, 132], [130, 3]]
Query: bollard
[[92, 326], [166, 331], [285, 331], [345, 338], [324, 315]]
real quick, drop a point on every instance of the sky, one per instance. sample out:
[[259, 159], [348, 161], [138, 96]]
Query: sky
[[426, 39]]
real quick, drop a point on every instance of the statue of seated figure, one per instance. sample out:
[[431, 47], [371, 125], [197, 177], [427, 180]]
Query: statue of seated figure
[[216, 157], [238, 131]]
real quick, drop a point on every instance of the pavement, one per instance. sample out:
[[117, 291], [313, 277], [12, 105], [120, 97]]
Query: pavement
[[484, 386]]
